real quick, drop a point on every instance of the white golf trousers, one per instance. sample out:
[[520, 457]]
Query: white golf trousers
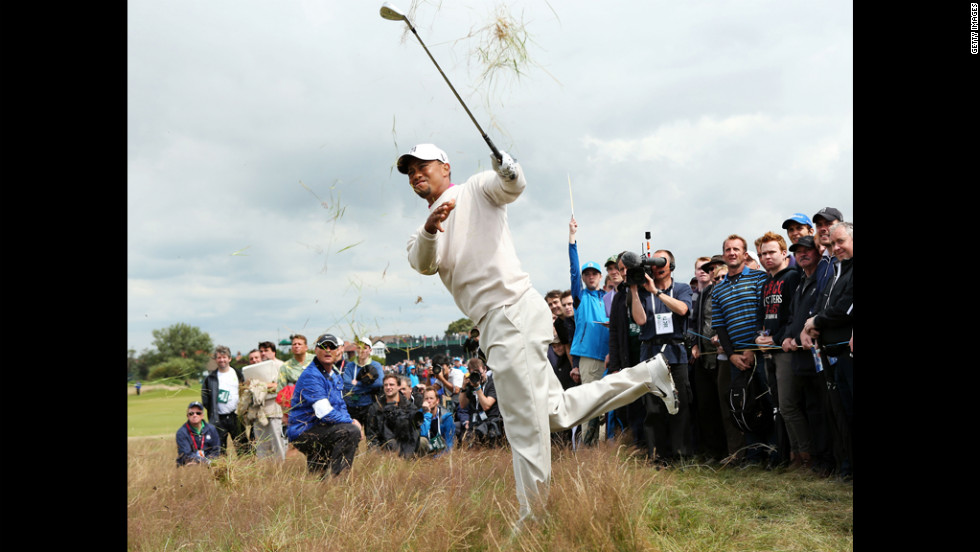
[[532, 402]]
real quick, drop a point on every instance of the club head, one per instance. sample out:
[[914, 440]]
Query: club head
[[392, 13]]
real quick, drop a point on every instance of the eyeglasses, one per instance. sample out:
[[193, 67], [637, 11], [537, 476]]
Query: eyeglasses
[[327, 345], [195, 413]]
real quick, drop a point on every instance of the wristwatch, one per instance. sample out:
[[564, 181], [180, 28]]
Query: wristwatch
[[659, 293]]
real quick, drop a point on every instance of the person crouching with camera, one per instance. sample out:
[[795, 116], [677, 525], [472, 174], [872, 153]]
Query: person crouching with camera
[[393, 420], [479, 416]]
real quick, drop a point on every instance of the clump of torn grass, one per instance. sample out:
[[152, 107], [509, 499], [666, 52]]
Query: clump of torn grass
[[502, 54], [501, 46]]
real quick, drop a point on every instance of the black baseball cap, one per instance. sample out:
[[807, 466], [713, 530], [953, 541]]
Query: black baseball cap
[[325, 339], [805, 241], [196, 404], [828, 213]]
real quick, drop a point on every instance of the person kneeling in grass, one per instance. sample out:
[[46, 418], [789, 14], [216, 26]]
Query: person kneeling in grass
[[437, 432], [319, 425], [197, 440]]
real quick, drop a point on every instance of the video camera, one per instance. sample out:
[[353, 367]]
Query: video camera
[[637, 265]]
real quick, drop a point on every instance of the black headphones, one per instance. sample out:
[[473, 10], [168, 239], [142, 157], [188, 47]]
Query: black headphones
[[672, 265]]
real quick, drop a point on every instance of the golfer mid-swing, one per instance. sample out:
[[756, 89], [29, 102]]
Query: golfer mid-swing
[[467, 241]]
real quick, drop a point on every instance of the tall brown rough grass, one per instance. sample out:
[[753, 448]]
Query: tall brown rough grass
[[601, 499]]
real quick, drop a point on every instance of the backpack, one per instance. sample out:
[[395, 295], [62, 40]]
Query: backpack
[[750, 404]]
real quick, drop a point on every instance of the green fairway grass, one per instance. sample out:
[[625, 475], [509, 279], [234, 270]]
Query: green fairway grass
[[159, 411]]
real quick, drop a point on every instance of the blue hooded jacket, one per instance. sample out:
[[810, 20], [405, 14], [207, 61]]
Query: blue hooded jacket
[[313, 386]]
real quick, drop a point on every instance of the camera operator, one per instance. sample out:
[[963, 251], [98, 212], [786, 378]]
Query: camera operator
[[449, 378], [479, 415], [393, 421], [472, 343], [624, 347], [660, 308], [362, 381], [411, 392]]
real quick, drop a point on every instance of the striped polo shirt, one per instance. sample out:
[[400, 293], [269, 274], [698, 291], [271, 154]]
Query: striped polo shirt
[[735, 304]]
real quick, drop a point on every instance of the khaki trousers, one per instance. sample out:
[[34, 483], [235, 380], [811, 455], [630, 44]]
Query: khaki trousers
[[269, 442]]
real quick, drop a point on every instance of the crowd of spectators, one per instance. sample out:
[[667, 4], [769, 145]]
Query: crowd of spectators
[[778, 319]]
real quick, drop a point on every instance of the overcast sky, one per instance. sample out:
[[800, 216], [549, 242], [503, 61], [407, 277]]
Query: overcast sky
[[262, 136]]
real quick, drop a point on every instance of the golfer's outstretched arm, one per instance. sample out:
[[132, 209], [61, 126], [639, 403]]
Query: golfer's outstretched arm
[[422, 253], [506, 183]]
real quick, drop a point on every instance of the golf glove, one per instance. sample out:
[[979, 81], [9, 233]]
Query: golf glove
[[506, 167]]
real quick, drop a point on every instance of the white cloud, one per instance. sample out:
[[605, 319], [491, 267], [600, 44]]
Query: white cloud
[[692, 121], [784, 145]]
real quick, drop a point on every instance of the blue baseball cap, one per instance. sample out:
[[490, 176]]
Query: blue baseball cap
[[593, 265], [797, 217]]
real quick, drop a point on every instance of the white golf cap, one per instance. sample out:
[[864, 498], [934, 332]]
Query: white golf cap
[[425, 152]]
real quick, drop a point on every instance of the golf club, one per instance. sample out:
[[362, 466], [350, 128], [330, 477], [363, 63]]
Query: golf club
[[394, 14]]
